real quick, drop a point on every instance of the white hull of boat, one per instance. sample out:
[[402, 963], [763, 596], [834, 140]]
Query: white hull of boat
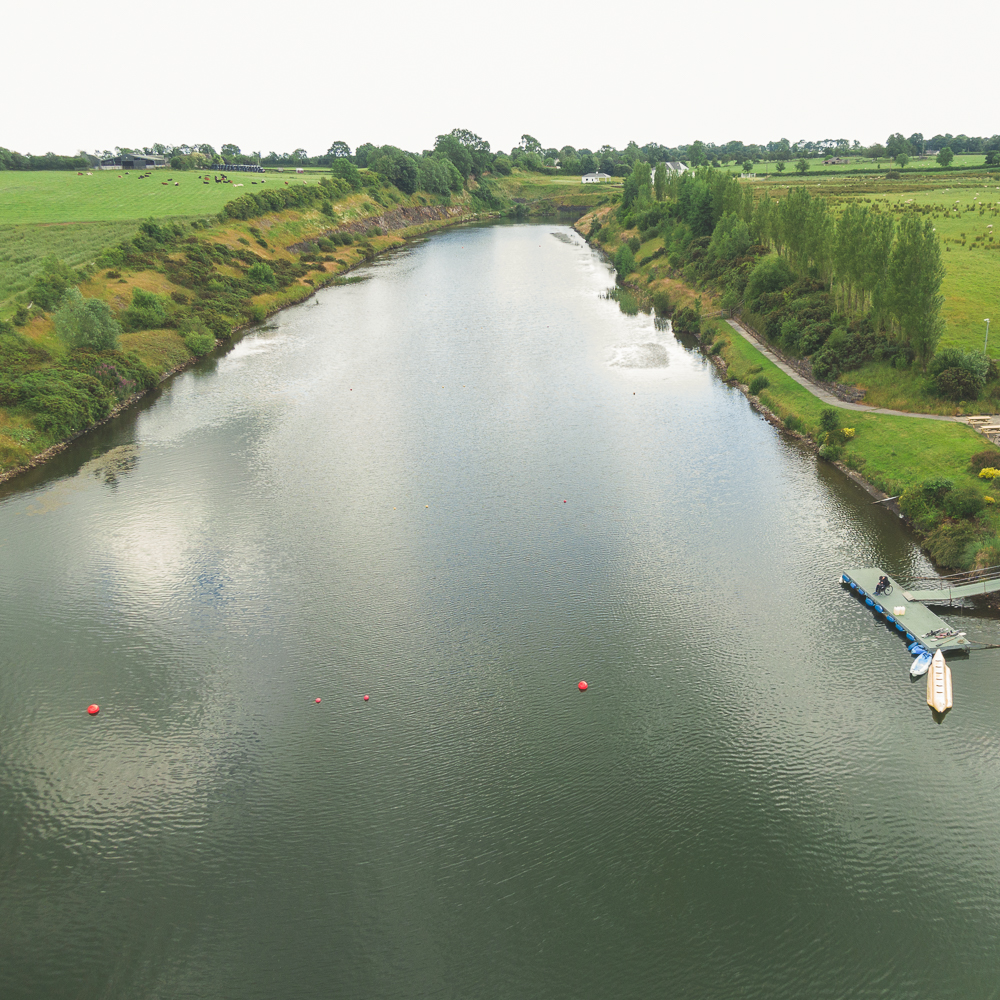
[[939, 684]]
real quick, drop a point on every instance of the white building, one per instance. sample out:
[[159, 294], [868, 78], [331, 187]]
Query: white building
[[675, 166], [595, 178]]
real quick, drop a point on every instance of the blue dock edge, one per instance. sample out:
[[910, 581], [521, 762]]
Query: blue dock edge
[[922, 621]]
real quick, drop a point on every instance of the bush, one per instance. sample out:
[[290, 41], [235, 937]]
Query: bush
[[717, 346], [829, 419], [771, 274], [965, 501], [634, 243], [261, 278], [147, 312], [953, 545], [830, 452], [989, 473], [758, 384], [935, 490], [624, 261], [913, 503], [686, 320], [958, 384], [256, 314], [87, 323], [983, 459], [662, 303]]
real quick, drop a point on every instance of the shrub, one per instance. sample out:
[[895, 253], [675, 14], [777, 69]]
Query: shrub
[[686, 320], [958, 384], [847, 432], [830, 452], [256, 314], [260, 277], [953, 545], [634, 243], [624, 261], [717, 346], [913, 503], [662, 303], [793, 423], [87, 323], [771, 274], [758, 384], [829, 419], [965, 501], [935, 490], [989, 457], [147, 312], [988, 473]]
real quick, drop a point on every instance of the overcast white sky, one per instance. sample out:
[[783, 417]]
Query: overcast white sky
[[267, 76]]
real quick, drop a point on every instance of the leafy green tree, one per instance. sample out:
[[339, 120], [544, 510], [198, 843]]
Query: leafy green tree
[[801, 164], [346, 171], [452, 147], [636, 188], [229, 151], [51, 283], [902, 159], [87, 323], [945, 157], [530, 144], [660, 181], [147, 312], [339, 150], [747, 166], [780, 166], [914, 276], [395, 166], [698, 153]]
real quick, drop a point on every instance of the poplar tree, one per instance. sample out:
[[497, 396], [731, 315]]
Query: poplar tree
[[660, 181], [915, 273]]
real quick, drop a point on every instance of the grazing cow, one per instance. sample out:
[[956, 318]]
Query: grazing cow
[[177, 184], [164, 183], [79, 173]]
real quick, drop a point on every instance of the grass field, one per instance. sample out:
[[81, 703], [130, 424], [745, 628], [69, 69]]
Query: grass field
[[106, 196], [964, 161]]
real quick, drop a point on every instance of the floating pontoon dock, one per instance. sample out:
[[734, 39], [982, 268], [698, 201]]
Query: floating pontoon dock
[[914, 623]]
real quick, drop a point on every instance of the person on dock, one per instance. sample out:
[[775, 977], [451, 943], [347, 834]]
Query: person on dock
[[883, 582]]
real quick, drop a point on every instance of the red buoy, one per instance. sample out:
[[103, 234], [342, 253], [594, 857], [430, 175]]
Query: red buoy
[[366, 697], [318, 700], [582, 685], [93, 709]]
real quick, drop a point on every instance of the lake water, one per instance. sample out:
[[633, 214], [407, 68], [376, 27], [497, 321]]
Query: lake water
[[460, 488]]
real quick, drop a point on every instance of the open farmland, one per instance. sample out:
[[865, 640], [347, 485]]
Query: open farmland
[[107, 196]]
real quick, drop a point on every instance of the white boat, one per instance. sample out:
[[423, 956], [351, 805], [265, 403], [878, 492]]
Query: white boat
[[920, 664], [939, 684]]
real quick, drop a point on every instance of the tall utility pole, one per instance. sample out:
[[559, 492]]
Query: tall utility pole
[[987, 337]]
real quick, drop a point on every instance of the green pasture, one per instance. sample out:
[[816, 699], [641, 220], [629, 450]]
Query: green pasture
[[107, 196], [885, 448], [963, 161]]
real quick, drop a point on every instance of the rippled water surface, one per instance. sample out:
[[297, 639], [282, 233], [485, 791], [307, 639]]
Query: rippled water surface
[[460, 487]]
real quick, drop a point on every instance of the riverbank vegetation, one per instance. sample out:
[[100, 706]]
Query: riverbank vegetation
[[857, 289], [83, 332]]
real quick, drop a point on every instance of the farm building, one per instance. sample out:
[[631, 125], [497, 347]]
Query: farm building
[[595, 178], [133, 161], [835, 160]]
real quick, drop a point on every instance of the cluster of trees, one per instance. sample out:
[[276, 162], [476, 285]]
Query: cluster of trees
[[840, 290], [10, 160]]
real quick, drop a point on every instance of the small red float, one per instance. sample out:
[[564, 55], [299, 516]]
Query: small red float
[[366, 697], [93, 709], [582, 685], [318, 700]]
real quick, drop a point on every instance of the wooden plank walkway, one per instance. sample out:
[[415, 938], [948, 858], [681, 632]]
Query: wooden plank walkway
[[914, 623]]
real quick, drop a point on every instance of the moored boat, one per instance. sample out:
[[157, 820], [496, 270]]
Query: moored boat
[[920, 664], [939, 684]]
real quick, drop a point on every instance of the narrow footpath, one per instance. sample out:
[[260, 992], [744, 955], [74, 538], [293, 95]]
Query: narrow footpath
[[821, 393]]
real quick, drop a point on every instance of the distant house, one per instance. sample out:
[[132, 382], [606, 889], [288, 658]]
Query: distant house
[[595, 178], [133, 161], [835, 160], [675, 166]]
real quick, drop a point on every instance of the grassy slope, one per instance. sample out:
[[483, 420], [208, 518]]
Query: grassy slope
[[164, 349]]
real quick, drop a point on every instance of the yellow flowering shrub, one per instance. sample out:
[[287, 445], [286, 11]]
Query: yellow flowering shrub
[[848, 433], [989, 499], [989, 473]]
